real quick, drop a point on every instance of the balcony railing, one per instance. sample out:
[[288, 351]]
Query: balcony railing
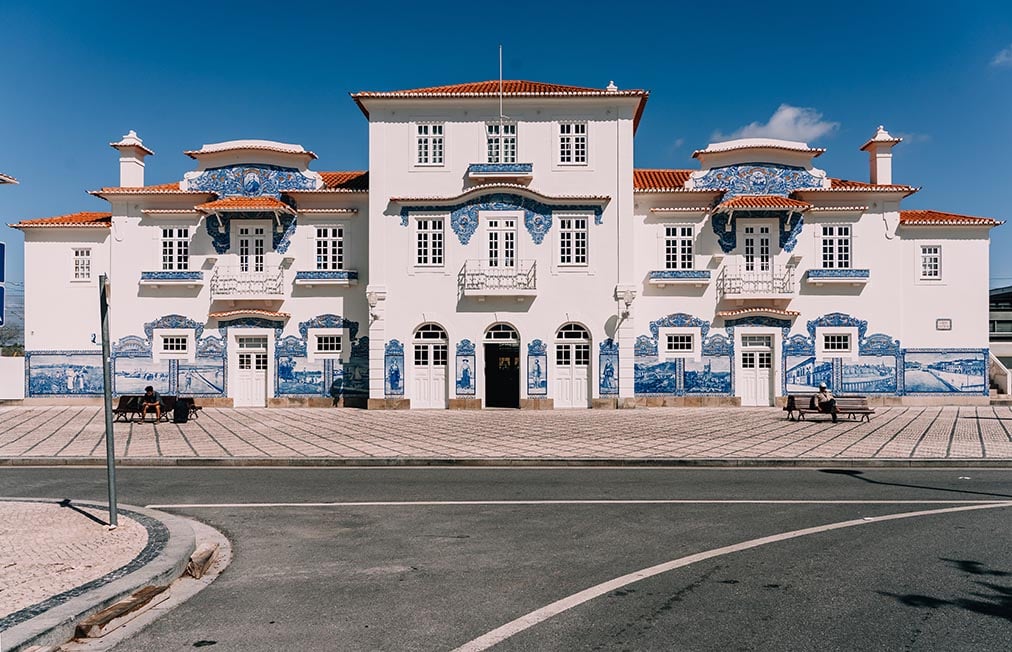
[[236, 283], [482, 278], [737, 282]]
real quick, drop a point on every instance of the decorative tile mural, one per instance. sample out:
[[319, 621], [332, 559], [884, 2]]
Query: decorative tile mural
[[203, 377], [351, 379], [944, 371], [756, 179], [61, 373], [710, 375], [249, 180], [868, 374], [802, 374], [537, 215], [393, 368], [608, 368], [465, 368], [131, 375], [537, 368]]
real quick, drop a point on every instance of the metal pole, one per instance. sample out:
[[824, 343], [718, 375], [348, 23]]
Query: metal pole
[[110, 445]]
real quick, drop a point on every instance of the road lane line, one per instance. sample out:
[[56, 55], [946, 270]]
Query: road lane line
[[451, 503], [533, 618]]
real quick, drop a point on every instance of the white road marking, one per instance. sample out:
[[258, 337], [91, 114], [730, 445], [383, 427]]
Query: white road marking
[[451, 503], [533, 618]]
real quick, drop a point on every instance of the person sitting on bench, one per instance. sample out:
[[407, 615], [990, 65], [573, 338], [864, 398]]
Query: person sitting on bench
[[825, 401], [152, 401]]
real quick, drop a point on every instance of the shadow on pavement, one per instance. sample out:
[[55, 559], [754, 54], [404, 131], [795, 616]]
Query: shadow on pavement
[[66, 503], [859, 475], [995, 602]]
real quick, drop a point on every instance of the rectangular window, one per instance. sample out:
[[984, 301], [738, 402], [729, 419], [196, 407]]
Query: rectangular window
[[563, 356], [82, 264], [573, 241], [931, 262], [328, 343], [757, 248], [678, 343], [174, 343], [429, 242], [836, 247], [573, 143], [330, 247], [501, 142], [176, 249], [839, 343], [678, 242], [429, 141]]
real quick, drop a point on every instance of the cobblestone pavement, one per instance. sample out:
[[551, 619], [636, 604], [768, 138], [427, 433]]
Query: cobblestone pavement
[[46, 549], [643, 433]]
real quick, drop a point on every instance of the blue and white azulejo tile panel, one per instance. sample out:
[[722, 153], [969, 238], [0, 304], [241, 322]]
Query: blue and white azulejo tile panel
[[62, 373]]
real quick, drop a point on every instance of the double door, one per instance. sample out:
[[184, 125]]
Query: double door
[[572, 375], [429, 389]]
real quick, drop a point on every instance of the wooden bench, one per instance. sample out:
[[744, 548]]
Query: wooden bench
[[852, 406], [127, 409], [130, 407]]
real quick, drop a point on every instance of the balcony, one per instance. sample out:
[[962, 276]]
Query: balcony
[[509, 171], [172, 278], [739, 283], [481, 279], [236, 283], [333, 277], [838, 276], [694, 277]]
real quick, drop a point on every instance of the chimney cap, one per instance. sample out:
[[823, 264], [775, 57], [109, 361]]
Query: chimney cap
[[611, 87], [131, 141], [881, 137]]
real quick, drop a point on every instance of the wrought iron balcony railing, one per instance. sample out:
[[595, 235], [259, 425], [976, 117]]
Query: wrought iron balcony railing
[[237, 283], [491, 278], [776, 282]]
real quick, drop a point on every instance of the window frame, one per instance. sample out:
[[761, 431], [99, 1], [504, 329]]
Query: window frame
[[430, 138], [921, 259], [694, 352], [677, 251], [158, 341], [574, 243], [313, 351], [418, 219], [86, 269], [835, 253], [175, 248], [567, 133], [500, 137], [342, 246], [824, 353]]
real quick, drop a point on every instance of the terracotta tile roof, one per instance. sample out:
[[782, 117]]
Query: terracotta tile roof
[[249, 312], [510, 88], [762, 202], [237, 204], [500, 187], [648, 180], [938, 218], [844, 185], [157, 189], [748, 312], [83, 219], [353, 181], [6, 178]]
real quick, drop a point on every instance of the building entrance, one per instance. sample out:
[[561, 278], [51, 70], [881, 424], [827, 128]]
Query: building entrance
[[502, 375]]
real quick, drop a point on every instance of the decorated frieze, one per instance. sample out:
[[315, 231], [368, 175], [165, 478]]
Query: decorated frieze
[[756, 179], [250, 180]]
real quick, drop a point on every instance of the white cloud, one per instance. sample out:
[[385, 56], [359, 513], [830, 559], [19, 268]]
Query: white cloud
[[787, 123], [1003, 58]]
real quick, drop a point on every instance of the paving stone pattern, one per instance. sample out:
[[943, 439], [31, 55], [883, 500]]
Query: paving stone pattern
[[47, 550], [643, 433]]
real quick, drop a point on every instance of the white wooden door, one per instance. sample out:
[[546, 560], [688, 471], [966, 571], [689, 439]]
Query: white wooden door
[[756, 370], [572, 375], [251, 375], [252, 245], [502, 242], [429, 389]]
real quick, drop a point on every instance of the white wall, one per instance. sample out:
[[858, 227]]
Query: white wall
[[12, 378]]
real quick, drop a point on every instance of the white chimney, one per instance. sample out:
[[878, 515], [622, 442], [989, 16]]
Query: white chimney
[[880, 156], [131, 160]]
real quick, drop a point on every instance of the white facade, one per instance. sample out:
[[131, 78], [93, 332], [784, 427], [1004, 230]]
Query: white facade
[[515, 261]]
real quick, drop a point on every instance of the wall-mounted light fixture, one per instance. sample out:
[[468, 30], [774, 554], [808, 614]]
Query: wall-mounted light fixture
[[372, 298], [627, 297]]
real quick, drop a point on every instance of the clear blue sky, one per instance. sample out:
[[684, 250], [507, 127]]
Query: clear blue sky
[[78, 75]]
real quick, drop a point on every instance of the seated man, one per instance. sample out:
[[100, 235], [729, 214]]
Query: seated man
[[151, 401], [825, 401]]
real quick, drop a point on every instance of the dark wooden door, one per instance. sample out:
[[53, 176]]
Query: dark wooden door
[[502, 375]]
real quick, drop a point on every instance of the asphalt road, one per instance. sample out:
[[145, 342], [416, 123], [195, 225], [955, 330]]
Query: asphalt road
[[437, 576]]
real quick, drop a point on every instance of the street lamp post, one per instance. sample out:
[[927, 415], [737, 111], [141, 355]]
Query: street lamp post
[[110, 445]]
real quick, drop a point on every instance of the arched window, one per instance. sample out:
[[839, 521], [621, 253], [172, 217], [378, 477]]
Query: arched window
[[572, 346], [503, 333], [430, 346]]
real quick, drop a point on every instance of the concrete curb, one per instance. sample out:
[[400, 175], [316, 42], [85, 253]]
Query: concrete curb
[[56, 625], [713, 462]]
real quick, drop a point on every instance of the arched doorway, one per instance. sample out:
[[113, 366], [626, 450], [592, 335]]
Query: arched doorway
[[428, 388], [572, 367], [502, 366]]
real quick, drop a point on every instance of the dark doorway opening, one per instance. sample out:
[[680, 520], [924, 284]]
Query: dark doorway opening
[[502, 375]]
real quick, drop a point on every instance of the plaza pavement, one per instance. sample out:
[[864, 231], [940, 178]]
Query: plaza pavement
[[902, 435]]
